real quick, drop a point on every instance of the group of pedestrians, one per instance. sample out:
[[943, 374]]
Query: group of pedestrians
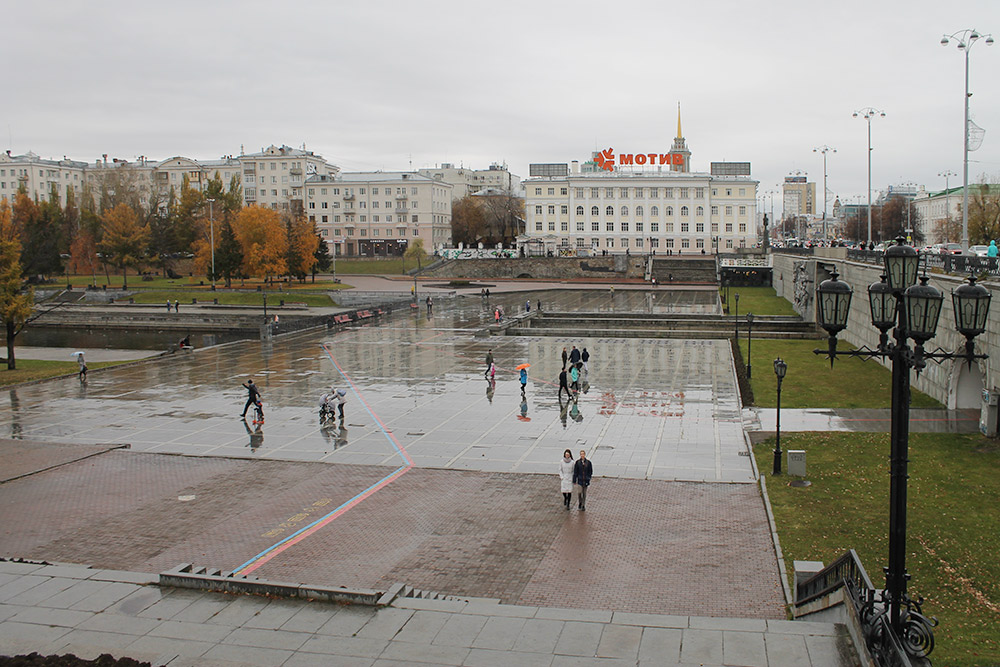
[[176, 305], [574, 477], [569, 378]]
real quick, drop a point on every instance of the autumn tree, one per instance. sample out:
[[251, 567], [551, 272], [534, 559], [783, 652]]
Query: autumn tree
[[263, 242], [16, 302], [984, 213], [228, 254], [83, 254], [415, 250], [42, 239], [468, 223], [123, 239], [303, 240]]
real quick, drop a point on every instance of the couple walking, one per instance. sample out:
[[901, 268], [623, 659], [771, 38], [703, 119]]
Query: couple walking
[[575, 474]]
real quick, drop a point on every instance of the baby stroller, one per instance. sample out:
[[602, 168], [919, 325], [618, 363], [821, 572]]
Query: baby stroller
[[258, 411]]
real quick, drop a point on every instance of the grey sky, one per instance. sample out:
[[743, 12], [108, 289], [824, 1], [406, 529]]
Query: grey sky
[[375, 85]]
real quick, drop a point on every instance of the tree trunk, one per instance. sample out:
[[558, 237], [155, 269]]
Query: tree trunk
[[124, 277], [11, 333]]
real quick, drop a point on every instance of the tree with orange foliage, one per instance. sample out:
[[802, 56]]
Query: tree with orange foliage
[[16, 302], [123, 239], [302, 244], [83, 254], [263, 240]]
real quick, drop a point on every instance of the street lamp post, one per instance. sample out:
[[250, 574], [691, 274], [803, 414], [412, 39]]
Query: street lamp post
[[736, 320], [868, 113], [912, 311], [780, 368], [966, 39], [824, 149], [749, 341], [211, 227]]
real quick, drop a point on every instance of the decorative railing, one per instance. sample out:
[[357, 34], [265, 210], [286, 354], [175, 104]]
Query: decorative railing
[[887, 646]]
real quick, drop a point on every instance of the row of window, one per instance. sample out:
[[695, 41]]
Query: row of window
[[639, 210], [652, 243], [640, 193], [654, 227], [364, 218], [361, 191], [363, 232], [399, 206], [52, 173]]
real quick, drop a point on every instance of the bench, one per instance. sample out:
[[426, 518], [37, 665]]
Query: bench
[[342, 319]]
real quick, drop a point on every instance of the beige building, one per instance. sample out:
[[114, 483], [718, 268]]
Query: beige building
[[470, 181], [798, 197], [654, 205], [379, 213], [275, 176], [39, 176]]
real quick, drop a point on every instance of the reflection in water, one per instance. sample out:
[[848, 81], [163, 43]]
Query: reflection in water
[[256, 435], [524, 409], [574, 412], [563, 410], [491, 387], [15, 417]]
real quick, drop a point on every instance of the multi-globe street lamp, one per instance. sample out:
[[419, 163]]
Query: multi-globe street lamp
[[780, 368], [897, 301], [966, 39], [824, 149], [868, 113]]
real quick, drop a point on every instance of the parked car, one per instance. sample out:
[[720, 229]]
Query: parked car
[[880, 247], [979, 250], [953, 249]]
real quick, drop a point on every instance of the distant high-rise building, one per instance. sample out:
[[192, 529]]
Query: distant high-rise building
[[470, 181], [798, 196]]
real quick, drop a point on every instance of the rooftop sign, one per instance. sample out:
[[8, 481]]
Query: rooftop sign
[[606, 159]]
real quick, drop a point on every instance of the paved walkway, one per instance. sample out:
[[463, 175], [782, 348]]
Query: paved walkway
[[861, 420], [59, 609]]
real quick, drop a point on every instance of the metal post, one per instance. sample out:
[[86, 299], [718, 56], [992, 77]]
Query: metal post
[[869, 119], [965, 158], [749, 341], [895, 573], [776, 469], [736, 320]]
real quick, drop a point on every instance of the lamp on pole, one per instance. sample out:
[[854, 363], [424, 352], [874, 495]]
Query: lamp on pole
[[749, 341], [780, 368], [211, 227], [912, 311], [965, 39], [736, 320], [824, 149], [868, 113]]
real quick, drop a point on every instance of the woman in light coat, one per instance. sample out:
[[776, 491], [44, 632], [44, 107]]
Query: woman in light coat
[[566, 477]]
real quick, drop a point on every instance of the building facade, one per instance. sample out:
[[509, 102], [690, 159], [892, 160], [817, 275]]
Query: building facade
[[275, 177], [379, 213], [654, 204], [470, 181], [798, 197], [39, 176]]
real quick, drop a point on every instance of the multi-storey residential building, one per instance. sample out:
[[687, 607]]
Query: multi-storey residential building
[[379, 213], [647, 209], [470, 181], [39, 176], [798, 196], [275, 176], [170, 173]]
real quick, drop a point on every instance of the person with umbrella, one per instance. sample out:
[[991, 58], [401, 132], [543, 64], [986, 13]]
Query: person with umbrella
[[524, 375], [83, 365]]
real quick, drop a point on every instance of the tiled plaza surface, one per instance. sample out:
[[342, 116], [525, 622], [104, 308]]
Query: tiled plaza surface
[[67, 609], [657, 409]]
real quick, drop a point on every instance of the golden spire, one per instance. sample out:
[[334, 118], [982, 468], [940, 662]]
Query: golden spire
[[679, 135]]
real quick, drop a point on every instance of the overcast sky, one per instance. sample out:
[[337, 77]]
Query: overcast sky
[[383, 85]]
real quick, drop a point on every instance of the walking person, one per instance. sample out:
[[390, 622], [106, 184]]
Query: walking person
[[566, 477], [253, 396], [563, 384], [496, 315], [83, 367], [341, 399], [489, 362], [524, 379], [583, 471], [574, 356], [565, 356], [527, 306], [574, 376], [585, 357]]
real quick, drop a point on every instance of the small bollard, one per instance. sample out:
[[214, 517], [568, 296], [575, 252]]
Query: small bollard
[[797, 467]]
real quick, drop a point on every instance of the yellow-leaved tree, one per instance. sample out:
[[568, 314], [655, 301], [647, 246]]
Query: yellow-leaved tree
[[303, 242], [123, 239], [263, 240], [16, 302]]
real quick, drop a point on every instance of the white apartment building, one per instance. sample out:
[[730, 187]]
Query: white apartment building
[[470, 181], [379, 213], [170, 173], [275, 176], [39, 176]]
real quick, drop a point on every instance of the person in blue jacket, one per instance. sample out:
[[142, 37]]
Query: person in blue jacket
[[524, 379], [992, 250]]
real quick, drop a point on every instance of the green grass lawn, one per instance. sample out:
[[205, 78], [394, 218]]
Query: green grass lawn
[[389, 266], [953, 535], [811, 383], [35, 369], [195, 282], [160, 297], [757, 300]]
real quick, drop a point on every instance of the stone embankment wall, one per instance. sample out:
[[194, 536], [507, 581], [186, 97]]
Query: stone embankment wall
[[611, 267], [796, 278]]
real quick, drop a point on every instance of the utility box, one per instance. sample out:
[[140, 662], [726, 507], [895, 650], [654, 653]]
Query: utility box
[[988, 414], [797, 462]]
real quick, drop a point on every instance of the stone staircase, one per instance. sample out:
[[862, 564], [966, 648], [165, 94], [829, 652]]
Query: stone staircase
[[683, 269]]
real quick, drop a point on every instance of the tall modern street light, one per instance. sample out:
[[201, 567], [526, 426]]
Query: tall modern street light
[[868, 113], [211, 228], [947, 173], [912, 311], [965, 39], [824, 149]]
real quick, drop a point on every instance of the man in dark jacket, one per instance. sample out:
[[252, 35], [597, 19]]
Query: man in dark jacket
[[574, 356], [585, 357], [583, 470], [252, 394]]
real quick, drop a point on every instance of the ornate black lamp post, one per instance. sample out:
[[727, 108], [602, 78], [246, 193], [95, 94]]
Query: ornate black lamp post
[[780, 368], [736, 320], [749, 341], [896, 301]]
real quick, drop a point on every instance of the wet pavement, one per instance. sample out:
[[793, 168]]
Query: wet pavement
[[658, 409], [861, 420]]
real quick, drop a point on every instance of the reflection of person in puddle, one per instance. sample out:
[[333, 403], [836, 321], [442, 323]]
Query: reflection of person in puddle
[[563, 409], [491, 386], [341, 437], [256, 435], [574, 412], [524, 406]]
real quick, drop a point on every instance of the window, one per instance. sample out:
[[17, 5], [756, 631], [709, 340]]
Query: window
[[654, 243], [564, 209], [624, 243], [312, 204], [624, 193], [715, 228], [538, 209], [699, 243], [625, 225], [638, 226], [654, 211], [668, 193], [595, 226], [670, 243], [609, 193], [579, 210], [699, 193], [700, 211], [638, 193], [538, 226], [610, 243], [552, 209], [551, 191], [563, 191], [609, 226], [564, 226], [729, 244], [685, 243], [413, 218], [638, 211], [609, 210], [374, 218], [654, 193], [699, 227], [715, 210], [364, 218], [684, 227], [684, 211], [743, 210], [595, 193], [552, 226], [669, 211], [624, 211], [743, 228], [684, 193], [729, 228], [579, 225], [654, 226], [729, 210], [538, 191], [729, 192], [595, 211], [638, 243], [579, 195]]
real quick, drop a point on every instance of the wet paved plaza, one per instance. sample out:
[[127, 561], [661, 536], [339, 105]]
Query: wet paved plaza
[[431, 482], [657, 409]]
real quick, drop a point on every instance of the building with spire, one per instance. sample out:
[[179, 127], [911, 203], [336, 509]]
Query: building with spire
[[639, 202]]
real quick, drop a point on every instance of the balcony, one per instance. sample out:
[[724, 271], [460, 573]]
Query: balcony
[[295, 171], [402, 211], [348, 197], [349, 212], [401, 196]]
